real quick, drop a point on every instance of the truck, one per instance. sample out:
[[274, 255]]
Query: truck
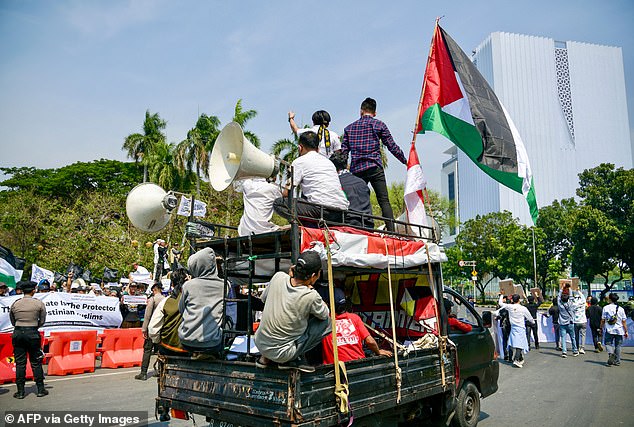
[[437, 376]]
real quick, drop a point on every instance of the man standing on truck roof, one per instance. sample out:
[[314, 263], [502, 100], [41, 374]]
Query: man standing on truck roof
[[519, 316], [362, 139], [295, 318], [201, 306], [351, 335]]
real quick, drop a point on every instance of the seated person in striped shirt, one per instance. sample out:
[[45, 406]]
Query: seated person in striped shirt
[[362, 139], [317, 178]]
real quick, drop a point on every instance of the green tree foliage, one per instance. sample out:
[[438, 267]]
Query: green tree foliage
[[489, 240], [611, 191], [192, 154], [139, 145], [441, 207], [101, 175], [554, 241], [242, 116], [287, 150]]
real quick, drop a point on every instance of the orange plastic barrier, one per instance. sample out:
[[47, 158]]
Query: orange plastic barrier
[[7, 362], [71, 352], [121, 348]]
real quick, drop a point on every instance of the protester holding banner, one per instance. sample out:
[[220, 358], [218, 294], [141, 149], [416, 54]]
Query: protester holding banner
[[131, 306], [581, 322], [566, 320], [27, 315]]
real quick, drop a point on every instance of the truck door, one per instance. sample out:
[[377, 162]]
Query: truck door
[[475, 348]]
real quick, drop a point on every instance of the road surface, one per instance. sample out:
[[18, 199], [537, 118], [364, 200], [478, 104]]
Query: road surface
[[548, 391]]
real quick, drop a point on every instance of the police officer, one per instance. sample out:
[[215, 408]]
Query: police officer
[[27, 315]]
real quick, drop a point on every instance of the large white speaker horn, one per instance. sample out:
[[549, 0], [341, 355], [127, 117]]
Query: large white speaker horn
[[234, 157], [148, 207]]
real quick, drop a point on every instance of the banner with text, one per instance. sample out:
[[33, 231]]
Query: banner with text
[[69, 311]]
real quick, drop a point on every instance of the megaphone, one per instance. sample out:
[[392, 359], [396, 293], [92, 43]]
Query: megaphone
[[148, 207], [234, 157]]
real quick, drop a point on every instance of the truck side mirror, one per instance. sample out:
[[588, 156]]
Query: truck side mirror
[[486, 319]]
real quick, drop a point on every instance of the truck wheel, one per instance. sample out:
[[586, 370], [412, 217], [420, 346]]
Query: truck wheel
[[467, 407]]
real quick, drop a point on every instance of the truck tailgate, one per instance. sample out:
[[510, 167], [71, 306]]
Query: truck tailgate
[[238, 393]]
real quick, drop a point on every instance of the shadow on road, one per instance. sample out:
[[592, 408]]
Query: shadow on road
[[483, 416]]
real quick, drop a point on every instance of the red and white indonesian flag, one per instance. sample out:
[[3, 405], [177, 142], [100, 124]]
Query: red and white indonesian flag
[[354, 248], [414, 186]]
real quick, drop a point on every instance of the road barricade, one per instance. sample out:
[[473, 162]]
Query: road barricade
[[121, 348], [71, 352], [7, 361]]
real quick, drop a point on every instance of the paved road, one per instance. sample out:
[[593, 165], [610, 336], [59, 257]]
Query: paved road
[[548, 391]]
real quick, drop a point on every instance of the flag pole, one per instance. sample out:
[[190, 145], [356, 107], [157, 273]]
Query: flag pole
[[417, 122]]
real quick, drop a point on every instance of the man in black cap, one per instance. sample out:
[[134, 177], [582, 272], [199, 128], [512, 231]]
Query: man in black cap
[[27, 315], [295, 318]]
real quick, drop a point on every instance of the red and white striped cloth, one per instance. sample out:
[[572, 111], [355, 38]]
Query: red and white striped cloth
[[355, 248]]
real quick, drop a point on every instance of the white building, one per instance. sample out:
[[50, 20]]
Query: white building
[[568, 102]]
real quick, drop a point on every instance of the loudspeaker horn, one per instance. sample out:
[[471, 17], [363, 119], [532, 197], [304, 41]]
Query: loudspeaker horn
[[234, 157], [148, 207]]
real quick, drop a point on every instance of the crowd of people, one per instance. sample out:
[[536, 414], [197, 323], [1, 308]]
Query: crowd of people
[[571, 313]]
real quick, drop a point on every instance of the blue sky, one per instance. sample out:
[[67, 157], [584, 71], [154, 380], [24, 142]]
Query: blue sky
[[77, 76]]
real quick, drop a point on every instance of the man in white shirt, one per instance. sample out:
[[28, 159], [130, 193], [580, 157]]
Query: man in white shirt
[[328, 141], [258, 196], [615, 323], [519, 316], [318, 180]]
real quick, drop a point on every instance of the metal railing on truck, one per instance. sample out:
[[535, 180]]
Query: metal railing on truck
[[277, 246]]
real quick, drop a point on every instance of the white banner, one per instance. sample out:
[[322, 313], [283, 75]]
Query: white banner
[[135, 299], [546, 333], [184, 209], [66, 311], [38, 273]]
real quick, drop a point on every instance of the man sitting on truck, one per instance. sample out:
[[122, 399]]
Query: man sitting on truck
[[201, 307], [295, 318], [351, 334], [319, 182]]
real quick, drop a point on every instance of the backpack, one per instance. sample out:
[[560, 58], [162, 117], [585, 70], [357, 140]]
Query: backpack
[[614, 317]]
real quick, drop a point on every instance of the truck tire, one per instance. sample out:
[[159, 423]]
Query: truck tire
[[467, 407]]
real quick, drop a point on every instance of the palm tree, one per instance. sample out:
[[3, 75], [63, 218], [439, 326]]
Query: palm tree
[[161, 166], [286, 150], [193, 152], [241, 117], [139, 146]]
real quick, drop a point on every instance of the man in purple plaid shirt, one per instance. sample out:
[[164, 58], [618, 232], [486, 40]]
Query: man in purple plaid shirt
[[362, 140]]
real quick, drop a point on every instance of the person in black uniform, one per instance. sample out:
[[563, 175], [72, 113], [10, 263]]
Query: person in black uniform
[[27, 315]]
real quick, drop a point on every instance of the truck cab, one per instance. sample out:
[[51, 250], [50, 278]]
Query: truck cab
[[478, 365]]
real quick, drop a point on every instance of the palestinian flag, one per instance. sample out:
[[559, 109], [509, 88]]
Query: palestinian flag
[[8, 274], [458, 103]]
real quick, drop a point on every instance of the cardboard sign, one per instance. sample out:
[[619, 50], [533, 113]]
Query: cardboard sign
[[506, 287], [519, 290], [573, 283], [537, 293]]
